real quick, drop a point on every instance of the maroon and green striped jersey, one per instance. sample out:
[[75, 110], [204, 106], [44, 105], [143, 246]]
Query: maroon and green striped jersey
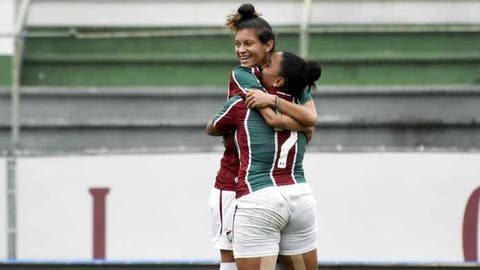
[[229, 164], [267, 157]]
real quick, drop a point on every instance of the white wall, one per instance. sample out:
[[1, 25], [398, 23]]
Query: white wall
[[213, 13], [392, 207], [3, 209], [157, 208], [6, 27], [371, 206]]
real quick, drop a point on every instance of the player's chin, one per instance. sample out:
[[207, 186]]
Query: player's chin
[[247, 63]]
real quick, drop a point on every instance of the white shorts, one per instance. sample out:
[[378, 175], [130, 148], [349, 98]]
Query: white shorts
[[276, 220], [222, 205]]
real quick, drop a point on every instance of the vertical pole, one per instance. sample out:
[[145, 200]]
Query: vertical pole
[[17, 69], [304, 35], [11, 207], [20, 17]]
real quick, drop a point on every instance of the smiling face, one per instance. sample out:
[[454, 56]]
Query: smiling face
[[249, 49], [271, 73]]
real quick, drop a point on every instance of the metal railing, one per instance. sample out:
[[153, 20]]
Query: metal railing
[[20, 18]]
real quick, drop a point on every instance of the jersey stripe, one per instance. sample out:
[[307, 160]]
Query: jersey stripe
[[285, 149], [254, 73], [226, 111], [238, 84], [249, 147], [274, 161], [295, 100], [293, 163]]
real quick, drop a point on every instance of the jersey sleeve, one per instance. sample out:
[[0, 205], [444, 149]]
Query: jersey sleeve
[[243, 78], [227, 117], [306, 96]]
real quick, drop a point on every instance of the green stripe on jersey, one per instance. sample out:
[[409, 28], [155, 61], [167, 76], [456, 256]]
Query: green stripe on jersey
[[262, 150], [298, 173], [245, 77]]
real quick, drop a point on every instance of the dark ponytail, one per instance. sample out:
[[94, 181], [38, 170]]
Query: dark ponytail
[[298, 74], [311, 73]]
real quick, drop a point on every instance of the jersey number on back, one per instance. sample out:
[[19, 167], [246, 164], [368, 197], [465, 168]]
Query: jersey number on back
[[285, 148]]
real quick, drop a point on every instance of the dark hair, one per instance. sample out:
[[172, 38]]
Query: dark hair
[[247, 18], [298, 73]]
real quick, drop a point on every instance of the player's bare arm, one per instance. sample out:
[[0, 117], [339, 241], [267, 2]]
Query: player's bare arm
[[305, 114], [281, 121]]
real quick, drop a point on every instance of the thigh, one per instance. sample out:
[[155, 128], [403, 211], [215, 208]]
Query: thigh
[[304, 261], [222, 205], [257, 263]]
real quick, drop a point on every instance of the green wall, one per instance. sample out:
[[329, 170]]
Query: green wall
[[5, 69], [356, 56]]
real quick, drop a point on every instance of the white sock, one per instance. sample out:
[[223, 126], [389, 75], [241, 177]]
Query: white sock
[[228, 266]]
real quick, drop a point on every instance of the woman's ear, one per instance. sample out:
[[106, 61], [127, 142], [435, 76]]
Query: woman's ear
[[279, 82], [269, 45]]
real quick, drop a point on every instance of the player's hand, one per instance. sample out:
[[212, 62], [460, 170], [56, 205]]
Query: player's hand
[[309, 133], [259, 99]]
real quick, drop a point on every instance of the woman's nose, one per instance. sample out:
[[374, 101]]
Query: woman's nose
[[240, 48]]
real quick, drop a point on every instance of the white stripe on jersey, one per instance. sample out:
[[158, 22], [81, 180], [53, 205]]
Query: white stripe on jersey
[[294, 161], [274, 158], [238, 84], [285, 149], [283, 93], [253, 72], [249, 150], [229, 108], [235, 141]]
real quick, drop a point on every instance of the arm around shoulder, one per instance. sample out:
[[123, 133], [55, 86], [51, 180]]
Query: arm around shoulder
[[281, 121]]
